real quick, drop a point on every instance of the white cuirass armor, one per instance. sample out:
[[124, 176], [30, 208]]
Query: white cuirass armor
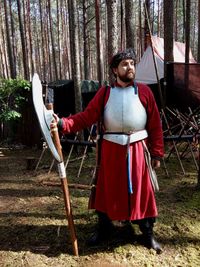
[[124, 116]]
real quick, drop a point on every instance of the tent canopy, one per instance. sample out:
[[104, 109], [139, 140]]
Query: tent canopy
[[145, 69]]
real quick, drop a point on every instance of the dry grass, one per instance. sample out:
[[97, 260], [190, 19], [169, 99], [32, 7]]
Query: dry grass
[[33, 225]]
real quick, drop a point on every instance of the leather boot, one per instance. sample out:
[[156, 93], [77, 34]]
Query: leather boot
[[151, 242], [148, 239], [103, 230]]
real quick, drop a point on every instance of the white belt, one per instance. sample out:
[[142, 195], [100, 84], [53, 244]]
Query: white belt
[[124, 138]]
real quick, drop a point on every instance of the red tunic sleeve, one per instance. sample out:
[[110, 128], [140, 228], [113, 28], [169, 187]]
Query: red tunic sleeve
[[88, 117], [93, 111], [154, 125]]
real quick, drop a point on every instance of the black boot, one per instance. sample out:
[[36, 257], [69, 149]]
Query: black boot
[[103, 230], [148, 239], [151, 242]]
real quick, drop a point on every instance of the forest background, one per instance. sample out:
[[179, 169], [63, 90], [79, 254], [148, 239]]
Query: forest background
[[54, 37], [71, 39]]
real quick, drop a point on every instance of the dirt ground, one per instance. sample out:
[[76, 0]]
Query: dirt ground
[[33, 225]]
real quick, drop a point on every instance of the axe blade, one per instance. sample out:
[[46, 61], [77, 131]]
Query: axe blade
[[44, 116]]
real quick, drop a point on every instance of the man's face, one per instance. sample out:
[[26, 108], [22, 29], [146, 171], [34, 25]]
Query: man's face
[[125, 70]]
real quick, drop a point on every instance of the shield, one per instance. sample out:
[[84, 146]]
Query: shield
[[44, 115]]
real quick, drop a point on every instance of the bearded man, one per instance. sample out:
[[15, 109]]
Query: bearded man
[[132, 147]]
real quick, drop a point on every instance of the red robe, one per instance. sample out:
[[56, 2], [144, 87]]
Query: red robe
[[112, 195]]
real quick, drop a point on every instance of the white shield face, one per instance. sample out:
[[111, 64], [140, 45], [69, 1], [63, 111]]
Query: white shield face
[[44, 116]]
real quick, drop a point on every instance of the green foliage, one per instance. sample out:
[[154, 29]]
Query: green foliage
[[12, 97]]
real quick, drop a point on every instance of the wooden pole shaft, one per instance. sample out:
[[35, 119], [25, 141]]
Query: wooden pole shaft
[[62, 174], [65, 188], [69, 216]]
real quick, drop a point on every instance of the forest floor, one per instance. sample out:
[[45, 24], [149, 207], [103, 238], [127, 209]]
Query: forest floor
[[33, 225]]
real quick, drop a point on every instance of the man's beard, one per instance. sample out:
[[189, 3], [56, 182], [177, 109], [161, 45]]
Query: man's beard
[[125, 78]]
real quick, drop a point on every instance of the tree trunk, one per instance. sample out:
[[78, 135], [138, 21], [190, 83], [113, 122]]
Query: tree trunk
[[147, 23], [74, 46], [168, 31], [129, 14], [43, 43], [141, 34], [112, 31], [59, 15], [10, 51], [66, 44], [38, 63], [13, 39], [23, 43], [152, 17], [48, 43], [122, 26], [3, 52], [3, 65], [29, 39], [194, 7], [52, 40], [85, 42], [176, 21], [98, 38], [198, 54], [158, 20], [168, 37], [187, 32], [183, 8]]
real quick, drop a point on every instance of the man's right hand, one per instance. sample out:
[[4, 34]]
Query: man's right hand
[[54, 122]]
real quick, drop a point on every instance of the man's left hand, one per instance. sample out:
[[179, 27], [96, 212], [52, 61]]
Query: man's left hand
[[155, 163]]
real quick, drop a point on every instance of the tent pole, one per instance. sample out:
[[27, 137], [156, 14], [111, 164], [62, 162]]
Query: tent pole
[[154, 59]]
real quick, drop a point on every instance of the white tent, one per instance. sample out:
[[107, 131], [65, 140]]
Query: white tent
[[145, 69]]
